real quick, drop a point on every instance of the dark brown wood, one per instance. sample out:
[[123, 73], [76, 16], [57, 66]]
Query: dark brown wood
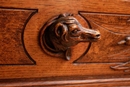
[[28, 65]]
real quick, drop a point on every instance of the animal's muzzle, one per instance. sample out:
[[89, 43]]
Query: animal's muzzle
[[90, 35]]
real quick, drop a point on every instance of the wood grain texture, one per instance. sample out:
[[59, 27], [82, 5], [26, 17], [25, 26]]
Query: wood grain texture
[[53, 67], [12, 24], [107, 50]]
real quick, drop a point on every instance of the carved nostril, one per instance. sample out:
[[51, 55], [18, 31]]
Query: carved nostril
[[98, 35]]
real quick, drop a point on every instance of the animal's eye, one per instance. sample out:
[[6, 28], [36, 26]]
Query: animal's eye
[[75, 31]]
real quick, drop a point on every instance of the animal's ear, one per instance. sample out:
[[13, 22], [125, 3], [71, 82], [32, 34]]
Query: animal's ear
[[61, 30]]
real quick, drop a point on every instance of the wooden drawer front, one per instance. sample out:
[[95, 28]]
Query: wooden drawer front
[[22, 58]]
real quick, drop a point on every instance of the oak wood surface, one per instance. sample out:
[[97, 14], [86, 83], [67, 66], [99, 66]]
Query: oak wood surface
[[48, 66]]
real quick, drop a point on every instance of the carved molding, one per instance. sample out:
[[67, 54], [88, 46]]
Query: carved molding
[[122, 66]]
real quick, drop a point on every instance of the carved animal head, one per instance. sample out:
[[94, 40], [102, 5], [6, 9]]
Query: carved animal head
[[72, 32], [65, 31]]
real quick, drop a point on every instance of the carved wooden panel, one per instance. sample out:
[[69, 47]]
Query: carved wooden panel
[[84, 60], [107, 50], [12, 24], [114, 44], [93, 64]]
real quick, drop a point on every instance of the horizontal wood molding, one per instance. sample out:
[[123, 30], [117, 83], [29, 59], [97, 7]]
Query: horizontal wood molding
[[69, 81]]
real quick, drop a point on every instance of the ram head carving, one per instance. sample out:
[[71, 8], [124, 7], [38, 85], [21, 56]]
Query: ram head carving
[[62, 32]]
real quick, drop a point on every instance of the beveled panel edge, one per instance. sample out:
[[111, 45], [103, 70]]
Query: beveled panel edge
[[34, 12]]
